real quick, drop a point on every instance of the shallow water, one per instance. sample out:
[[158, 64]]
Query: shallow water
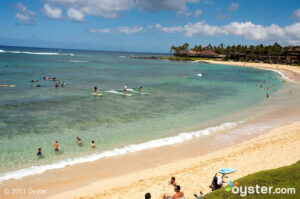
[[178, 98]]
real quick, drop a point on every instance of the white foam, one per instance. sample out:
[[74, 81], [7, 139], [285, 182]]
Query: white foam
[[123, 57], [118, 93], [34, 53], [283, 76], [181, 137], [78, 61], [199, 75], [131, 90]]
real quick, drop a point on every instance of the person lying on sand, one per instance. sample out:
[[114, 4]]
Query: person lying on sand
[[178, 193], [56, 146], [173, 181]]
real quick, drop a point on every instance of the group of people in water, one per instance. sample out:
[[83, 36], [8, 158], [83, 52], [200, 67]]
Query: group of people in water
[[268, 85], [57, 148], [57, 83]]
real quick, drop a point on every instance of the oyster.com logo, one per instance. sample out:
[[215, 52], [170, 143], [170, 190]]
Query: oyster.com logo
[[231, 185]]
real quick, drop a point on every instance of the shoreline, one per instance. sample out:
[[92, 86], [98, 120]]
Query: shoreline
[[291, 72], [113, 180], [277, 148]]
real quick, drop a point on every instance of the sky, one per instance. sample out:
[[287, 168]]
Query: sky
[[147, 25]]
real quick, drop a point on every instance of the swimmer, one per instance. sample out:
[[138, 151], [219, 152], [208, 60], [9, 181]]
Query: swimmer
[[56, 146], [93, 144], [141, 88], [63, 84], [34, 80], [79, 141], [39, 153], [35, 85]]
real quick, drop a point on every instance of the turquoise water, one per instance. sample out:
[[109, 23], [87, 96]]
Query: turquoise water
[[178, 98]]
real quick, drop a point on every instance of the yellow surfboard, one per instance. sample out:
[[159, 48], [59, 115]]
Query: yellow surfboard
[[97, 94]]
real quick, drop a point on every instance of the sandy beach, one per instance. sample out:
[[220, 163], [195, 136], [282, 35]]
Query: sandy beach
[[292, 72], [279, 147]]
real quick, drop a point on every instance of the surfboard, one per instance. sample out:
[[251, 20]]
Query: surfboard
[[227, 170], [120, 93], [97, 94], [7, 85]]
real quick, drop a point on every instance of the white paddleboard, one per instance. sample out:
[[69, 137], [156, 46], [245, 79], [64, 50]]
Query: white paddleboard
[[120, 93]]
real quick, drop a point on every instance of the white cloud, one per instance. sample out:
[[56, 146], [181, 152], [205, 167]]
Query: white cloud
[[248, 30], [153, 5], [75, 15], [233, 6], [183, 13], [296, 15], [198, 12], [121, 29], [52, 12], [24, 15], [102, 8]]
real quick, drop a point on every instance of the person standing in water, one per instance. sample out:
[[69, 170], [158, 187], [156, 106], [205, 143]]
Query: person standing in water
[[140, 89], [39, 153], [95, 89], [79, 141], [125, 88], [56, 146], [56, 84], [93, 144]]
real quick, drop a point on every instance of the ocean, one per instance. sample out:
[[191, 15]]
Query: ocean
[[183, 100]]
